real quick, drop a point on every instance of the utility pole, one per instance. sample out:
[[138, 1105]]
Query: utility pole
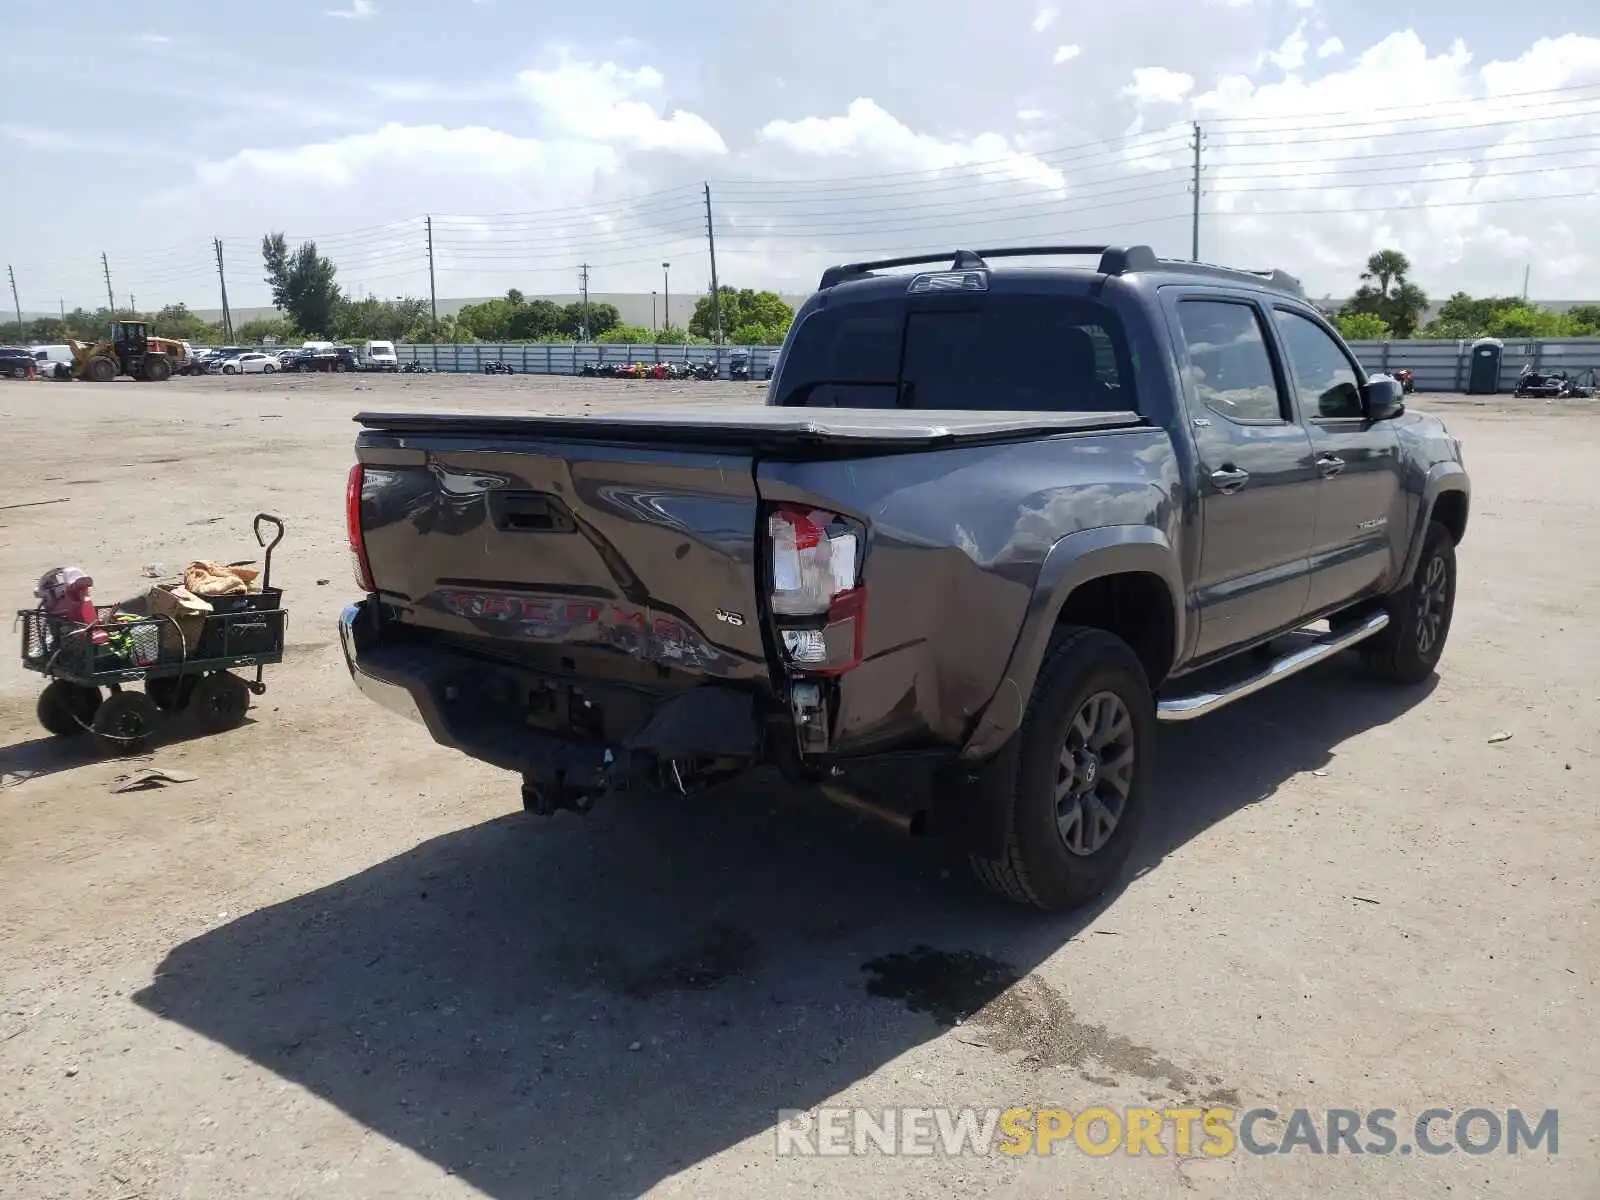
[[63, 306], [133, 309], [222, 278], [9, 271], [666, 293], [111, 301], [716, 293], [654, 328], [433, 292], [583, 288], [1526, 271], [1195, 188]]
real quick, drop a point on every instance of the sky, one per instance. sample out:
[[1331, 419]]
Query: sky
[[542, 137]]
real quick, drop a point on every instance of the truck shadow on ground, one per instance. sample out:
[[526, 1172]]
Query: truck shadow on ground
[[584, 1008]]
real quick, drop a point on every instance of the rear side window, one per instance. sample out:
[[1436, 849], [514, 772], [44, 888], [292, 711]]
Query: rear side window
[[1228, 361], [1018, 353]]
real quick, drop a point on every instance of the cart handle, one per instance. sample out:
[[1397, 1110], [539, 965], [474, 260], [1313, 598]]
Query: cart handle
[[267, 519]]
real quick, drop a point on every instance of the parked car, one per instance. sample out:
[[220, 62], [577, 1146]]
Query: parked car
[[253, 362], [219, 359], [1153, 520], [18, 363], [52, 362]]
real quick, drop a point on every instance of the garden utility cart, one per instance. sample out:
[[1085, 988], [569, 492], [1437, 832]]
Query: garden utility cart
[[91, 666]]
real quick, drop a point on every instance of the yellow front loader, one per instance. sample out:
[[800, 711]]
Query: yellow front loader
[[130, 351]]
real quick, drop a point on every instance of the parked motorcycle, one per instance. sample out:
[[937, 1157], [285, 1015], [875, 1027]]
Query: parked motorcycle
[[496, 367], [416, 368], [1402, 376], [704, 370], [1546, 385]]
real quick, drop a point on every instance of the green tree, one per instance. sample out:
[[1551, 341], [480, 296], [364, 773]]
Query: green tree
[[600, 317], [675, 335], [533, 319], [740, 308], [254, 333], [489, 321], [1528, 321], [380, 320], [1386, 293], [1362, 327], [1584, 320], [636, 335], [176, 321], [302, 283]]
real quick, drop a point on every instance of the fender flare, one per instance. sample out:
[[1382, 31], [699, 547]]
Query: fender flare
[[1442, 477], [1073, 561]]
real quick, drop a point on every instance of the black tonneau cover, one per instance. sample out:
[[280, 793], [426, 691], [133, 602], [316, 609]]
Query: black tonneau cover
[[768, 426]]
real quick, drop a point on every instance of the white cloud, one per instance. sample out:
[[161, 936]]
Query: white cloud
[[1030, 114], [1067, 54], [1044, 18], [359, 10], [155, 39], [1158, 85], [1291, 55], [601, 102], [1330, 47], [55, 140], [867, 134]]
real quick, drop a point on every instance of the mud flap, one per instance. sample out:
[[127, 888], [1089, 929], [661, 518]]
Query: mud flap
[[972, 803]]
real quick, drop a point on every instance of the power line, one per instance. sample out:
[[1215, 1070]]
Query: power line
[[1470, 100], [1334, 212]]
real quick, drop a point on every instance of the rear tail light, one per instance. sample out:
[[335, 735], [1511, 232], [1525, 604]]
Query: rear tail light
[[817, 596], [352, 521]]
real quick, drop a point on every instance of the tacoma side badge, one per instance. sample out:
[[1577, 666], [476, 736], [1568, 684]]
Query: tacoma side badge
[[728, 617]]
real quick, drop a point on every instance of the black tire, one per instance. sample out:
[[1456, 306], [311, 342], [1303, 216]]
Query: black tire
[[127, 722], [19, 372], [269, 369], [100, 369], [230, 369], [1038, 868], [1408, 649], [172, 692], [67, 709], [219, 702], [158, 368]]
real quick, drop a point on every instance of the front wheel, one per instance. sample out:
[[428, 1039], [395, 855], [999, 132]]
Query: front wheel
[[1082, 776], [219, 702], [1408, 649], [68, 709], [127, 722], [268, 369], [230, 370]]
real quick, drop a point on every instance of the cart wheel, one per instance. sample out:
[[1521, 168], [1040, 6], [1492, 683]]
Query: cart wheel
[[68, 709], [127, 722], [171, 692], [219, 702]]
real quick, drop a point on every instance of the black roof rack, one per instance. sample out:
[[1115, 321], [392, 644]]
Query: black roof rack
[[1114, 260]]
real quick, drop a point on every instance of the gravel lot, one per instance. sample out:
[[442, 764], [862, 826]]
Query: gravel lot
[[342, 963]]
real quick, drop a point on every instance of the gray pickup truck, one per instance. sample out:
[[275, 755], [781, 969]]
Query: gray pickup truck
[[991, 526]]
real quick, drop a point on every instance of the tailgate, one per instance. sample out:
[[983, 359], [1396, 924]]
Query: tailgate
[[646, 552]]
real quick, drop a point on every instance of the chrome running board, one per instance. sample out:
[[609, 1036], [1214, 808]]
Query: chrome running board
[[1187, 708]]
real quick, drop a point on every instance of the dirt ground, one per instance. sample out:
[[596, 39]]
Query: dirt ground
[[341, 962]]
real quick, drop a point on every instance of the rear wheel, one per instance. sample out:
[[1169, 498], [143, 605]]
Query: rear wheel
[[158, 368], [230, 369], [268, 369], [1082, 775], [67, 709], [100, 369], [19, 372], [219, 702]]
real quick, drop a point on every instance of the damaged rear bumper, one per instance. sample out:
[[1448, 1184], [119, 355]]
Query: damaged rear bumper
[[481, 708]]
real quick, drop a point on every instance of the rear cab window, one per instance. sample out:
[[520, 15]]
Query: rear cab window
[[1005, 352]]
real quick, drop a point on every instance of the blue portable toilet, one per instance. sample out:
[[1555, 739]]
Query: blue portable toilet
[[1483, 370]]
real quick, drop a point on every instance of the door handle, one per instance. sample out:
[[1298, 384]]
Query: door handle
[[1330, 465], [1229, 479]]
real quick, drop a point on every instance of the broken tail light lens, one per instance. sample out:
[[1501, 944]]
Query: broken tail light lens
[[818, 598], [352, 522]]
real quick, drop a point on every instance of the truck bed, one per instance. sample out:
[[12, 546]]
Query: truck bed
[[761, 427]]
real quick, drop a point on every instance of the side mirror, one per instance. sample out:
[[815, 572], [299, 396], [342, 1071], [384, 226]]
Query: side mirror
[[1382, 398]]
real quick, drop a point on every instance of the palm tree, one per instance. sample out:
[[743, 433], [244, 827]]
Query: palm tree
[[1387, 267]]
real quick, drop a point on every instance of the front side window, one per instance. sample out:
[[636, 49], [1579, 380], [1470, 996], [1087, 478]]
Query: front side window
[[1228, 361], [1324, 378]]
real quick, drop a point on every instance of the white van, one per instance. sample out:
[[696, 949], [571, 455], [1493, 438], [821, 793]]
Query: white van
[[378, 356]]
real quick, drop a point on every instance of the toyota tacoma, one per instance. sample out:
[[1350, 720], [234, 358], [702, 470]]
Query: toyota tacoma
[[992, 525]]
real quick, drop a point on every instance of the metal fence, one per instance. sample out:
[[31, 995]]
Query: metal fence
[[568, 358], [1436, 366], [1443, 366]]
